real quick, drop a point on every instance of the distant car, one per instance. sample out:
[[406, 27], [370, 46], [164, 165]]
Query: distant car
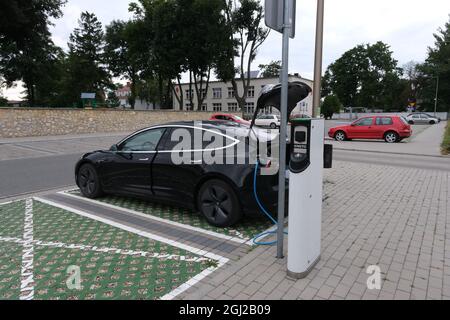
[[389, 128], [229, 117], [268, 120], [299, 116], [422, 118]]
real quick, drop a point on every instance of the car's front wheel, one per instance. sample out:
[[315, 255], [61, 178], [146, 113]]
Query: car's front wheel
[[340, 136], [273, 126], [219, 204], [89, 182], [432, 122], [391, 137]]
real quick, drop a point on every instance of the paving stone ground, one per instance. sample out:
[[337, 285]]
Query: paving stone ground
[[395, 218]]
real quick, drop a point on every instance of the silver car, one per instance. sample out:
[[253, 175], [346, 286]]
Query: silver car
[[422, 118]]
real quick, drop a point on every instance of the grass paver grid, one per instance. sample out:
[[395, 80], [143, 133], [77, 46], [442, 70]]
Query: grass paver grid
[[133, 272], [246, 228]]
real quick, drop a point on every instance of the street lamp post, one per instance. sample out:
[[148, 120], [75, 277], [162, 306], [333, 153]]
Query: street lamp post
[[318, 58], [436, 97]]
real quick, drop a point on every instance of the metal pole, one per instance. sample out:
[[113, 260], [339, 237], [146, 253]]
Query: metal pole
[[318, 58], [436, 98], [283, 130]]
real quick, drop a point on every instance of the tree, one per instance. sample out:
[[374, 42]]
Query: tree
[[122, 54], [245, 36], [271, 70], [364, 77], [330, 106], [113, 101], [86, 61], [436, 66], [26, 50]]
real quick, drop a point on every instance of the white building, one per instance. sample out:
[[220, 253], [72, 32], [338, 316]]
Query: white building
[[124, 93], [220, 96]]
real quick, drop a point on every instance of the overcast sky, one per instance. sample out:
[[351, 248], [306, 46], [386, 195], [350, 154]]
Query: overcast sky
[[406, 25]]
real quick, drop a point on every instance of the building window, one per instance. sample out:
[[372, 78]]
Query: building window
[[204, 107], [250, 107], [189, 94], [230, 93], [189, 106], [251, 92], [217, 107], [217, 93], [232, 107]]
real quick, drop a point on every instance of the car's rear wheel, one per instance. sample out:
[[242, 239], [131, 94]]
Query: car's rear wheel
[[273, 126], [391, 137], [89, 182], [219, 204], [340, 136]]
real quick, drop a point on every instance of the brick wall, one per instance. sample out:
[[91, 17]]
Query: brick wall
[[15, 122]]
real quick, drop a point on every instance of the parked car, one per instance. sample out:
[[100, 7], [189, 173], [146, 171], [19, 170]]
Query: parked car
[[299, 116], [422, 118], [389, 128], [268, 120], [229, 117], [142, 165]]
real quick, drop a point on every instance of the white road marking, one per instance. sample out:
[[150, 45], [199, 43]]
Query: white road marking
[[126, 252], [27, 279], [221, 260], [240, 239]]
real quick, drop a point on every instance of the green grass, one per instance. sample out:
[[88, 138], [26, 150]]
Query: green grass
[[446, 142]]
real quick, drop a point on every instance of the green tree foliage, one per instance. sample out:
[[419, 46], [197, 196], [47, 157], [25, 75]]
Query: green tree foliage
[[330, 106], [245, 36], [123, 53], [271, 70], [437, 65], [26, 50], [112, 101], [86, 61], [366, 76]]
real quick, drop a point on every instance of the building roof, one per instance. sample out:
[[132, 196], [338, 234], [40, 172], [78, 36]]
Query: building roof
[[256, 78]]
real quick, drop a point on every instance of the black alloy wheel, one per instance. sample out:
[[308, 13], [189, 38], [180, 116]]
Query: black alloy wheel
[[219, 204], [88, 182]]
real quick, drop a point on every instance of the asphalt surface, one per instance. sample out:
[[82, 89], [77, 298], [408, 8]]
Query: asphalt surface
[[43, 164]]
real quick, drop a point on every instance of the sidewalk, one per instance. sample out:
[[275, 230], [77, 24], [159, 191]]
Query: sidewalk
[[397, 219]]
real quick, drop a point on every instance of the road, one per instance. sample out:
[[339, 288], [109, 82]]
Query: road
[[33, 165]]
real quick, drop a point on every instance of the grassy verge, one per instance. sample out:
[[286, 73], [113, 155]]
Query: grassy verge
[[446, 142]]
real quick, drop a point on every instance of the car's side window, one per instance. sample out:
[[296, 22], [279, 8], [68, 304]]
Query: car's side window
[[145, 141], [364, 122], [385, 121]]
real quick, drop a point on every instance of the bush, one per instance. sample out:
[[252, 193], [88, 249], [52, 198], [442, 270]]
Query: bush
[[330, 106], [446, 142]]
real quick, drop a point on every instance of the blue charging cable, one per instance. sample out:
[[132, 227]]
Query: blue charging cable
[[264, 210]]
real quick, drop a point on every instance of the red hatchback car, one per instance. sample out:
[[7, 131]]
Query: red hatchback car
[[229, 117], [389, 128]]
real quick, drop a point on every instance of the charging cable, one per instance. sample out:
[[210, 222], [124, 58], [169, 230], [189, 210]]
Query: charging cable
[[264, 210]]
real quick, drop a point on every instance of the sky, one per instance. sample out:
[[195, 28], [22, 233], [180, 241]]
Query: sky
[[406, 25]]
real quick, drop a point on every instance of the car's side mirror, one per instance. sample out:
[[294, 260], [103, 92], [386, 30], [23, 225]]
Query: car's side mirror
[[114, 148], [300, 136]]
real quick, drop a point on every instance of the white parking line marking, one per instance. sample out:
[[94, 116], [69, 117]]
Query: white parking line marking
[[27, 281], [241, 239], [221, 260]]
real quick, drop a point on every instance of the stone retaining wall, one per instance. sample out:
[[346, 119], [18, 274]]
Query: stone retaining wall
[[18, 122]]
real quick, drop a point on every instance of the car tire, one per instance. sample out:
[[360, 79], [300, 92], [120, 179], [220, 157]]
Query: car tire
[[391, 137], [219, 204], [411, 122], [340, 136], [273, 126], [89, 182], [432, 122]]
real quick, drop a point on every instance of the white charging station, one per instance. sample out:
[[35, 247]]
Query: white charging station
[[305, 196]]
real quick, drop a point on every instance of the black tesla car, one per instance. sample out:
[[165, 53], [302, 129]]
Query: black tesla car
[[212, 174]]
